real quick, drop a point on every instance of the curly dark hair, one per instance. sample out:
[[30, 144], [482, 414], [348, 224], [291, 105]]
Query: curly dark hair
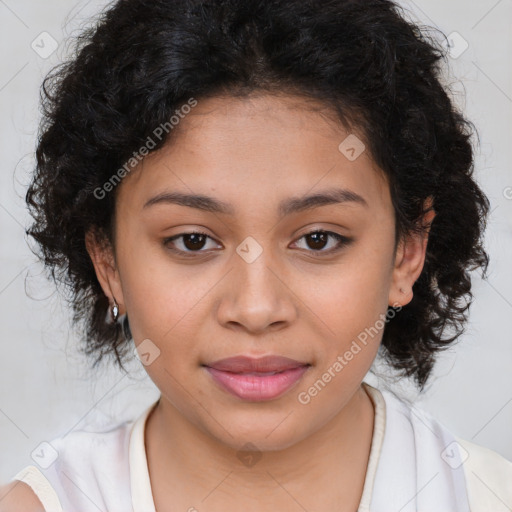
[[377, 71]]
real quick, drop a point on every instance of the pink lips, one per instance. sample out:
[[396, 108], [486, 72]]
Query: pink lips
[[257, 379]]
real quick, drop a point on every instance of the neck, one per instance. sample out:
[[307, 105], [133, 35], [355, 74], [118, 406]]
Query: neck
[[331, 463]]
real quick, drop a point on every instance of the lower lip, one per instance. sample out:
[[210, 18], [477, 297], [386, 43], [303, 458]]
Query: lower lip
[[255, 388]]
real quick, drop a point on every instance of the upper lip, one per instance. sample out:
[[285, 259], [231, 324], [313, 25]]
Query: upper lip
[[240, 364]]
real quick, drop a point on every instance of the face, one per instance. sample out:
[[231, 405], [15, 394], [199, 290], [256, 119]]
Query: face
[[271, 273]]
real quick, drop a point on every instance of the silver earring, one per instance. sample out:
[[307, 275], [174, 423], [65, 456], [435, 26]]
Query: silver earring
[[114, 311]]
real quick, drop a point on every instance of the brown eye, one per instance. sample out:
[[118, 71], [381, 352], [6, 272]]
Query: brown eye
[[316, 241], [194, 241], [190, 243], [319, 239]]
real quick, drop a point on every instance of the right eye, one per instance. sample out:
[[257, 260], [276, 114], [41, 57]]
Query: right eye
[[192, 242]]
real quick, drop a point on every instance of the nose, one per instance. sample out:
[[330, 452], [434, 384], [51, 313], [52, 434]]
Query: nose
[[257, 295]]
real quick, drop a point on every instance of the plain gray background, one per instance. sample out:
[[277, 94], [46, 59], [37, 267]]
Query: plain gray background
[[47, 388]]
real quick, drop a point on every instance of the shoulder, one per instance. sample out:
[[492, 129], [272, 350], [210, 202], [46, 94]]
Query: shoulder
[[488, 477], [75, 469], [86, 453], [95, 459], [479, 457], [29, 490], [17, 496], [487, 474]]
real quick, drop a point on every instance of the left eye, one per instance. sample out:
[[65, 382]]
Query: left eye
[[318, 240], [195, 241]]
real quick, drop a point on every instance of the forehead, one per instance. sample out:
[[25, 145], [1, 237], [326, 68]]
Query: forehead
[[256, 150]]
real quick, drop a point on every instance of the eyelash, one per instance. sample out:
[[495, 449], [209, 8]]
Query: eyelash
[[343, 241]]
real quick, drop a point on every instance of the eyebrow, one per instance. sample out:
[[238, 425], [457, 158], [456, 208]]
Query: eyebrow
[[286, 207]]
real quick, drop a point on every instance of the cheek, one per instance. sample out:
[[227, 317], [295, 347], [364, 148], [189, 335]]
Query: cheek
[[158, 294], [352, 295]]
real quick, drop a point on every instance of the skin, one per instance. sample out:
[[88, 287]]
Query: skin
[[291, 301], [18, 496]]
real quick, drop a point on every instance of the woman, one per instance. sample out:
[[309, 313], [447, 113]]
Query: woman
[[262, 197]]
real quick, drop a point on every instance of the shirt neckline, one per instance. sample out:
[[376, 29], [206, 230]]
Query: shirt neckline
[[142, 497]]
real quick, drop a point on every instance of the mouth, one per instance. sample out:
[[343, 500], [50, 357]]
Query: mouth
[[257, 380]]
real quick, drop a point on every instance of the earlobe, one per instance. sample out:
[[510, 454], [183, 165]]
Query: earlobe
[[409, 261], [102, 257]]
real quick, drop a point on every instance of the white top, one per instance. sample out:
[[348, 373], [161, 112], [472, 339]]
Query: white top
[[415, 464]]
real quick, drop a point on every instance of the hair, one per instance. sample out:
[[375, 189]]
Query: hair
[[379, 73]]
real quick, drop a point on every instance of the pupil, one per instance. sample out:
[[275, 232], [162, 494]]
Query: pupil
[[316, 237], [194, 237]]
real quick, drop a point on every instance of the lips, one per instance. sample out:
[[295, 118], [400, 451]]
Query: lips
[[256, 380], [267, 364]]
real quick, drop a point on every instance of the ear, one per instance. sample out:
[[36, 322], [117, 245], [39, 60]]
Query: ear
[[102, 257], [409, 260]]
